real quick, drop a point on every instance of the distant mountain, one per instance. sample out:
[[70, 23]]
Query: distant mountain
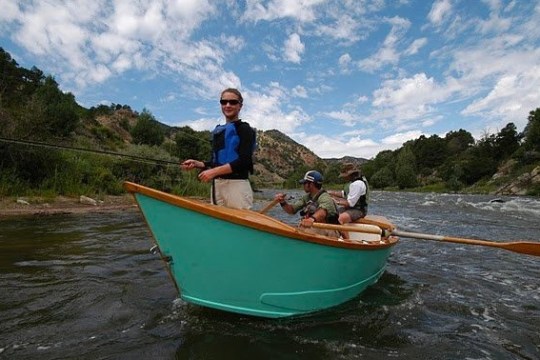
[[346, 159]]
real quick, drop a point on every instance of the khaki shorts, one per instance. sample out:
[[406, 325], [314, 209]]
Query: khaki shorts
[[236, 194], [355, 214]]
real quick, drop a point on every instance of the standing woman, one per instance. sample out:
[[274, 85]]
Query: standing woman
[[233, 145]]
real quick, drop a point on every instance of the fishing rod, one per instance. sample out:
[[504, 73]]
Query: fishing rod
[[102, 152]]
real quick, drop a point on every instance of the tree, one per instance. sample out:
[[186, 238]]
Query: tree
[[429, 153], [385, 158], [147, 130], [191, 145], [479, 161], [382, 178], [331, 174], [506, 141], [531, 134], [297, 174], [458, 141], [405, 169], [60, 110]]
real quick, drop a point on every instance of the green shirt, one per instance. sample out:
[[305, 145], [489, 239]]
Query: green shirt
[[324, 201]]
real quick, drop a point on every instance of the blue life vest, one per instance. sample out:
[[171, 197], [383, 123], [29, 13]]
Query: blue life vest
[[226, 142]]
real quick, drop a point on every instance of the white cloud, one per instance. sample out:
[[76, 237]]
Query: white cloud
[[293, 49], [494, 23], [262, 109], [416, 46], [264, 112], [387, 53], [347, 118], [332, 147], [440, 10], [345, 28], [408, 98], [301, 10], [510, 100], [10, 11], [396, 140], [185, 16], [94, 41], [300, 91], [344, 62], [200, 124]]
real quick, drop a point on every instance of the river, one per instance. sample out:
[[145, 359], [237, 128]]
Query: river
[[86, 287]]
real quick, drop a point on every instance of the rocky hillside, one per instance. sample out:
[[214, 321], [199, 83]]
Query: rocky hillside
[[277, 156], [515, 185]]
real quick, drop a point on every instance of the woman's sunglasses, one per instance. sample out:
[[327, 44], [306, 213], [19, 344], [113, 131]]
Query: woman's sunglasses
[[232, 102]]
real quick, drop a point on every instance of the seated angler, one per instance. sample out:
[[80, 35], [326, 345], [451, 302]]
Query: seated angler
[[315, 206], [352, 200]]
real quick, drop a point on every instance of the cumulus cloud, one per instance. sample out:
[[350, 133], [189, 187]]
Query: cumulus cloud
[[331, 147], [414, 92], [511, 97], [293, 49], [396, 140], [94, 41]]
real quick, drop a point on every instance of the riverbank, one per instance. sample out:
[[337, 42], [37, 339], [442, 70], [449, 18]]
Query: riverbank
[[36, 206]]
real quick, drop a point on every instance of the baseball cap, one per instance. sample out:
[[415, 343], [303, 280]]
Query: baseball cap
[[312, 176]]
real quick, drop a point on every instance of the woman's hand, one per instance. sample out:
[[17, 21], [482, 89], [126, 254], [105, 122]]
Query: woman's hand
[[192, 164]]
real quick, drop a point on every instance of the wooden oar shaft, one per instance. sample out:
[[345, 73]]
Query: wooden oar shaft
[[369, 229], [269, 206], [523, 247]]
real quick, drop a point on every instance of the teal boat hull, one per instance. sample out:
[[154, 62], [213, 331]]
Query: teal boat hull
[[245, 262]]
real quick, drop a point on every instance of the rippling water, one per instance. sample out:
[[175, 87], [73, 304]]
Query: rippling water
[[85, 286]]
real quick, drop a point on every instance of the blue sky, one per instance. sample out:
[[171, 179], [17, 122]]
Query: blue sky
[[342, 77]]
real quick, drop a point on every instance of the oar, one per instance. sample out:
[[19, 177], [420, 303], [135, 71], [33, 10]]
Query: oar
[[363, 228], [269, 206], [522, 247]]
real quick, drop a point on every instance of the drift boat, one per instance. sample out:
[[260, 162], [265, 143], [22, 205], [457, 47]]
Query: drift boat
[[246, 262]]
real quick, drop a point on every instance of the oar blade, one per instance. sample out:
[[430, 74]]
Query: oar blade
[[524, 247]]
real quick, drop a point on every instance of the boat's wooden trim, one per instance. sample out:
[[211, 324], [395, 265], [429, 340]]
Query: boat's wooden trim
[[255, 220]]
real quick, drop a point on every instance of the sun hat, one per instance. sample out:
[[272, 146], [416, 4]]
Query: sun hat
[[312, 176], [348, 169]]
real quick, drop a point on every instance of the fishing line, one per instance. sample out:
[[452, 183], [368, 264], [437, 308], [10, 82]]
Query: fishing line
[[102, 152]]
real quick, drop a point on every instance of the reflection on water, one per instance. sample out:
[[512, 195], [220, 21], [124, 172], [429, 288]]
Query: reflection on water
[[87, 287]]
